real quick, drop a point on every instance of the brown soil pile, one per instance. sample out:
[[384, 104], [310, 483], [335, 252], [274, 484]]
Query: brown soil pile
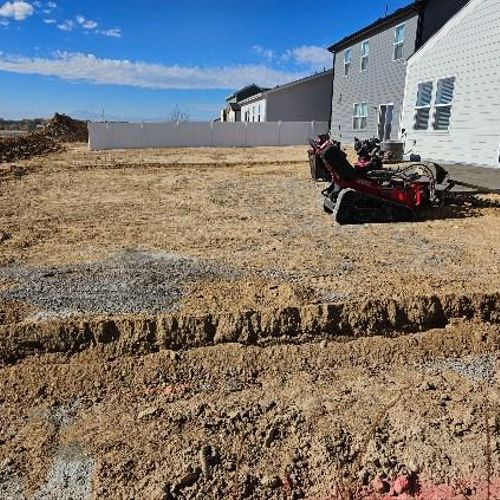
[[50, 139], [326, 420]]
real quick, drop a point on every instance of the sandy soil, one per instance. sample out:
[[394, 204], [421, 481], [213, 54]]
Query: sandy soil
[[253, 209], [294, 358]]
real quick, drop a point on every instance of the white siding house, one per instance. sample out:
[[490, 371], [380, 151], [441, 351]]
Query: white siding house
[[254, 110], [451, 110]]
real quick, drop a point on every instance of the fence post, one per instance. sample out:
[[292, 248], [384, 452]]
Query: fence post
[[279, 133], [211, 133]]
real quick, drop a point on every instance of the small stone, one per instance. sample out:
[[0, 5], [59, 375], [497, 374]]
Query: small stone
[[189, 479], [208, 458], [174, 355], [479, 334], [272, 434], [148, 412], [363, 477], [323, 344], [428, 386], [379, 486], [271, 482], [401, 485]]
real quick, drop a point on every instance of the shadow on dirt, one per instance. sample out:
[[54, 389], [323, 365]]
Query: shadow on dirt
[[459, 205]]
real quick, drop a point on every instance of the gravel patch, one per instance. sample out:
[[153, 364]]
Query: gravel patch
[[10, 485], [133, 281], [476, 368], [70, 477]]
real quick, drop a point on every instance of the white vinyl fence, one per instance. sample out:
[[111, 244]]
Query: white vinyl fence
[[199, 134]]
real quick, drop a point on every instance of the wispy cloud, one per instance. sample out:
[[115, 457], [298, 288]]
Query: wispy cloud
[[87, 24], [17, 10], [113, 32], [80, 22], [310, 56], [262, 51], [316, 57], [89, 68], [68, 25], [49, 21]]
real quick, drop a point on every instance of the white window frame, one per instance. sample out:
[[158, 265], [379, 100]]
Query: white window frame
[[397, 43], [365, 57], [357, 116], [347, 63], [424, 106], [443, 105]]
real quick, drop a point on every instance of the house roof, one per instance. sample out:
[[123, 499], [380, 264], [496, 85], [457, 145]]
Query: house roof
[[285, 86], [379, 25], [252, 87]]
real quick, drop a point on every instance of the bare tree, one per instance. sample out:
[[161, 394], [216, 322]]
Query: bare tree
[[178, 115]]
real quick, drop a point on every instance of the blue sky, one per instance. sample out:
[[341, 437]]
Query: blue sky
[[137, 60]]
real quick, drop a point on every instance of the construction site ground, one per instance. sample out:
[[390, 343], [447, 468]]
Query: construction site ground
[[189, 323]]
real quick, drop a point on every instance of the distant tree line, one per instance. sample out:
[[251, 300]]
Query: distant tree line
[[24, 125]]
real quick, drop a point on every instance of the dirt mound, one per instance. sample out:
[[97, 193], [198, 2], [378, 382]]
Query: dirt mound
[[67, 129], [327, 420], [50, 139]]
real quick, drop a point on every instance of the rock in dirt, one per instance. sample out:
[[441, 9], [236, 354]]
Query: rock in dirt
[[189, 479], [401, 485], [148, 412], [208, 458], [379, 485], [272, 435]]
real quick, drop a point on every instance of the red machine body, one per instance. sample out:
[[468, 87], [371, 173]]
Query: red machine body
[[369, 192]]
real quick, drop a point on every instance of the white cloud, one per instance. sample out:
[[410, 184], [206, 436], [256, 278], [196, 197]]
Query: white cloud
[[17, 10], [316, 57], [87, 24], [4, 22], [68, 25], [89, 68], [262, 51], [49, 21], [113, 32]]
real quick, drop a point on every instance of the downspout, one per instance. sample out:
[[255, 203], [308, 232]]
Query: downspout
[[331, 97], [420, 7]]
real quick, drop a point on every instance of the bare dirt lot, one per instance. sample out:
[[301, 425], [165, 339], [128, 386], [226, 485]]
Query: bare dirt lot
[[190, 324]]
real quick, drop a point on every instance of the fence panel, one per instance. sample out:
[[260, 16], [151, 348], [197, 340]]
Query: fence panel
[[200, 134]]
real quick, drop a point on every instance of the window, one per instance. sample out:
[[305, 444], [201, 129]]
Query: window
[[360, 116], [444, 101], [442, 104], [365, 51], [399, 41], [258, 113], [423, 106], [347, 61]]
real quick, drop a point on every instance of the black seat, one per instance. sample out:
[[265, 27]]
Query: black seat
[[337, 160]]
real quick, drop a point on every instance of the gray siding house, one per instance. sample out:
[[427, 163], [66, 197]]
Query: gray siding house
[[452, 96], [308, 99], [370, 69]]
